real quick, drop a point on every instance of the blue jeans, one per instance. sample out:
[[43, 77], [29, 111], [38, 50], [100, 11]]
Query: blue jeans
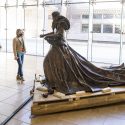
[[20, 59]]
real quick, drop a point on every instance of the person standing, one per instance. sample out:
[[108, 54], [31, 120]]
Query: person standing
[[19, 50]]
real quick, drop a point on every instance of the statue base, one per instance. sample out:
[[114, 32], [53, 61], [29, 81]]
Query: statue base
[[59, 102]]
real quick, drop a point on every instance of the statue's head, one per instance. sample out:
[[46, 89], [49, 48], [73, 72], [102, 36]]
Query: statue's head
[[63, 22], [55, 14]]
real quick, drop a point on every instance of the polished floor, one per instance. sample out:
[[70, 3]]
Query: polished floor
[[13, 94]]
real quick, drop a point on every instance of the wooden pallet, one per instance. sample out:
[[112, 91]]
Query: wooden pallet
[[54, 104]]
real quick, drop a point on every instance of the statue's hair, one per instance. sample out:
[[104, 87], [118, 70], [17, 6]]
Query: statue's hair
[[64, 22], [55, 13]]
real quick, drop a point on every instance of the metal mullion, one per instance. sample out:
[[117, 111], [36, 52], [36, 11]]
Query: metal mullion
[[106, 1], [6, 25], [90, 33], [11, 6], [37, 32], [44, 10], [16, 17], [52, 3], [24, 18], [66, 16], [24, 15], [121, 35], [75, 3], [30, 5]]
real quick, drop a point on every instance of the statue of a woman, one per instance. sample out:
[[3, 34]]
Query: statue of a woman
[[68, 72]]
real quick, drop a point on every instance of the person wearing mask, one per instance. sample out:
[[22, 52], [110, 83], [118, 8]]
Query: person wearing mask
[[19, 50]]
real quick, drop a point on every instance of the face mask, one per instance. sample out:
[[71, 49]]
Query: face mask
[[20, 34]]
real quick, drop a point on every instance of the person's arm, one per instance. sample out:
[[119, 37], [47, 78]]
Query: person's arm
[[43, 35], [14, 49]]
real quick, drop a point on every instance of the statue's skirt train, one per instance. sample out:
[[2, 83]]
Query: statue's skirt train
[[68, 72]]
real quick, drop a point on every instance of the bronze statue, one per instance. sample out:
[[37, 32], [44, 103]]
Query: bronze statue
[[68, 72]]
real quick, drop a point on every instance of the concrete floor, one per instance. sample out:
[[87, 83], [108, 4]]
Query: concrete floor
[[13, 94]]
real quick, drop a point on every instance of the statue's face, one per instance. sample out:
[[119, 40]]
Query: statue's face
[[54, 17]]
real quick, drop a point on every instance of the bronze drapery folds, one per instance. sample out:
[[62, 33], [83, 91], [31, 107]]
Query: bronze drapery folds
[[68, 72]]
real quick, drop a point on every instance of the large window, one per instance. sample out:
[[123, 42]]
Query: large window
[[31, 29], [97, 16], [77, 36], [76, 16], [107, 28], [85, 16], [117, 29], [107, 16], [95, 25], [3, 35], [106, 36], [85, 28], [117, 16], [96, 28], [11, 26]]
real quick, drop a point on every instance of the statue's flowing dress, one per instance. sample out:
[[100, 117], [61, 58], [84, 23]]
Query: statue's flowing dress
[[69, 72]]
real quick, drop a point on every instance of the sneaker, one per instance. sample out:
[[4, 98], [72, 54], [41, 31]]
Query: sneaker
[[18, 77]]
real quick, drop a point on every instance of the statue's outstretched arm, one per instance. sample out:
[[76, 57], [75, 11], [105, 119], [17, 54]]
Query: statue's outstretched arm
[[43, 35]]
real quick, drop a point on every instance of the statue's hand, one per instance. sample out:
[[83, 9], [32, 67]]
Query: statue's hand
[[42, 35]]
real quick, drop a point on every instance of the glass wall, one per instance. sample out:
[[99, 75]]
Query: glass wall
[[122, 54], [97, 26], [106, 32], [77, 36], [3, 30], [31, 15], [11, 26]]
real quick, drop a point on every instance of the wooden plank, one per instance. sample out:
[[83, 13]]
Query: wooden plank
[[52, 107], [38, 95], [54, 104]]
